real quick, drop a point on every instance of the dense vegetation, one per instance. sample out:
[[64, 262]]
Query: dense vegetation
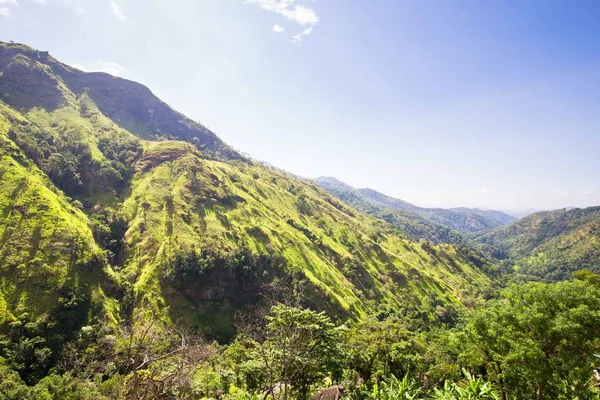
[[536, 341], [141, 257], [548, 245]]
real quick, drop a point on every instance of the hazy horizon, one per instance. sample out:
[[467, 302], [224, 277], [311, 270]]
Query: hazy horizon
[[461, 103]]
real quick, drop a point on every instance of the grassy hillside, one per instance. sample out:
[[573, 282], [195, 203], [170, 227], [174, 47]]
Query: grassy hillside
[[550, 244], [183, 205], [48, 255], [98, 196]]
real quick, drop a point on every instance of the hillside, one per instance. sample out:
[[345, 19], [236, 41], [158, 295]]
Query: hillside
[[109, 193], [47, 251], [550, 244], [435, 224], [34, 79]]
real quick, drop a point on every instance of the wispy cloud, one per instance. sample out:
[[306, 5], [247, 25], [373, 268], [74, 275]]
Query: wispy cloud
[[116, 10], [109, 67], [278, 28], [487, 191], [297, 13], [7, 11], [298, 38]]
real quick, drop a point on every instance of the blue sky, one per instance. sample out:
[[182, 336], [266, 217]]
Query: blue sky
[[441, 103]]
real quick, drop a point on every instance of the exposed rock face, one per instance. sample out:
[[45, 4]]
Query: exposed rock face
[[334, 392]]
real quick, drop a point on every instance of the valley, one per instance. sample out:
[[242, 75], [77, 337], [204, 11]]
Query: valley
[[143, 257]]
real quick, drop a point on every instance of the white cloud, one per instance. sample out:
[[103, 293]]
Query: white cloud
[[109, 67], [300, 14], [9, 2], [5, 12], [116, 10], [298, 38], [487, 191], [278, 28], [43, 2], [303, 15]]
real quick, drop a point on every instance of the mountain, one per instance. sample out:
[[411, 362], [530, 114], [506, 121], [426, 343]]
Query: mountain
[[498, 216], [457, 219], [111, 201], [549, 244], [520, 213], [408, 223], [33, 79]]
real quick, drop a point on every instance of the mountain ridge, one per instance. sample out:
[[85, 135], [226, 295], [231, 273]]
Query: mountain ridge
[[131, 105], [180, 224], [461, 219]]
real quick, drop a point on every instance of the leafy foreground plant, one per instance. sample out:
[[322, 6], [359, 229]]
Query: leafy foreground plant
[[408, 389], [394, 388], [472, 389]]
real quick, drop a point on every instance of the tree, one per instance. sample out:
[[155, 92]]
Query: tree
[[299, 348], [538, 341], [383, 348], [156, 359]]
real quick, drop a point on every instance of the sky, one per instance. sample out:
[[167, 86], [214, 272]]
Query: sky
[[477, 103]]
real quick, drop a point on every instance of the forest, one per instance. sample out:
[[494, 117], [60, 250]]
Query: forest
[[535, 341]]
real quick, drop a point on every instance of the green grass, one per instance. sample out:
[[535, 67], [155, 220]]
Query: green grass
[[45, 243]]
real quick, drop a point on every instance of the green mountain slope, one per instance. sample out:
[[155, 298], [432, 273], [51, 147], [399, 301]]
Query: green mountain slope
[[175, 221], [417, 221], [550, 244], [188, 205], [48, 255]]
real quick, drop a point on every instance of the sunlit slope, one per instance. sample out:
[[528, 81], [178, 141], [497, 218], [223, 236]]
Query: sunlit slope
[[95, 194], [550, 244], [181, 203], [47, 250]]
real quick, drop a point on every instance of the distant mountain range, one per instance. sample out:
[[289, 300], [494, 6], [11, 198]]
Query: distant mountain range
[[522, 212], [546, 245], [436, 224]]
